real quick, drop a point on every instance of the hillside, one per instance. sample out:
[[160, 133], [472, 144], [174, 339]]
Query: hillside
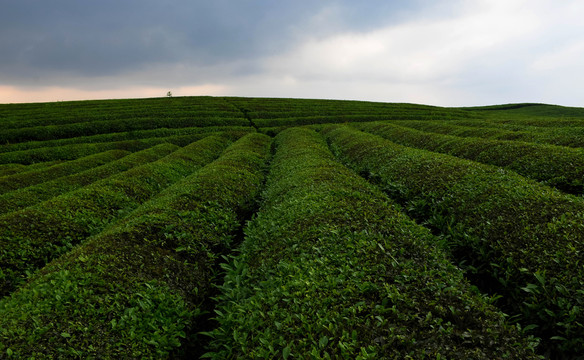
[[290, 228]]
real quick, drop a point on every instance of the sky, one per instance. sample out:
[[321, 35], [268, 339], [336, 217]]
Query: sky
[[441, 52]]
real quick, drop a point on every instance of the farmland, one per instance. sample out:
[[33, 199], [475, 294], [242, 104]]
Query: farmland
[[225, 227]]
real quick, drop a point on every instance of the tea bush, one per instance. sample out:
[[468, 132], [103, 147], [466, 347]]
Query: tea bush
[[525, 236], [11, 169], [28, 178], [330, 268], [122, 136], [31, 237], [568, 136], [74, 151], [21, 198], [142, 287], [51, 132], [556, 166]]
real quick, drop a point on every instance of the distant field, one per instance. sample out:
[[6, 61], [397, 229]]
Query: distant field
[[264, 228]]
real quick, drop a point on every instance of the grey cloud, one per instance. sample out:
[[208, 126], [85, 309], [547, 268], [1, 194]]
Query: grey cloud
[[46, 39]]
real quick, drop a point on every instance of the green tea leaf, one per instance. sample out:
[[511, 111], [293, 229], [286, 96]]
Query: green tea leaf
[[323, 341], [286, 352]]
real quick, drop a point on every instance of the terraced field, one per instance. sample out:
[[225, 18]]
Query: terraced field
[[223, 227]]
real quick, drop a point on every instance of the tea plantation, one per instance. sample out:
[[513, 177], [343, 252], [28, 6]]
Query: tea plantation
[[224, 227]]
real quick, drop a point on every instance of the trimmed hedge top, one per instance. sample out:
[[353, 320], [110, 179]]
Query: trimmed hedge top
[[527, 237], [331, 269]]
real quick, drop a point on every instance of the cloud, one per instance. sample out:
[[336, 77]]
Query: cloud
[[466, 53], [107, 37], [451, 52], [431, 53], [89, 48]]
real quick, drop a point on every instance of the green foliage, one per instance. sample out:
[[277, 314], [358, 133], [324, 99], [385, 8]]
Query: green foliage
[[507, 227], [75, 334], [266, 108], [75, 151], [40, 133], [68, 112], [169, 134], [531, 110], [566, 136], [140, 288], [11, 169], [553, 165], [331, 269], [167, 115], [28, 178], [31, 237], [21, 198]]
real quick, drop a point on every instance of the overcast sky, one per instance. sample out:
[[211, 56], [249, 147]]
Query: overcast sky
[[449, 53]]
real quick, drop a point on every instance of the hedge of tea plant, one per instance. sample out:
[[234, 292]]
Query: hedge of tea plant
[[29, 178], [542, 122], [52, 132], [21, 198], [566, 136], [274, 108], [75, 151], [68, 112], [331, 269], [88, 116], [327, 119], [121, 136], [31, 237], [526, 237], [531, 111], [11, 169], [141, 288], [61, 122], [556, 166], [153, 268]]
